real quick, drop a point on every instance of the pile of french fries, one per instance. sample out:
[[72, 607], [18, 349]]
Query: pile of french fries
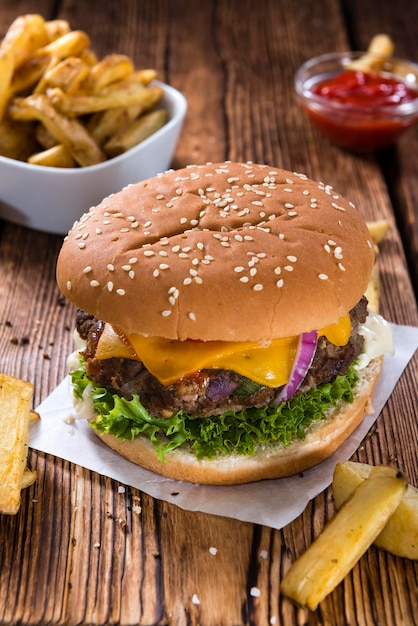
[[375, 505], [61, 106], [15, 416]]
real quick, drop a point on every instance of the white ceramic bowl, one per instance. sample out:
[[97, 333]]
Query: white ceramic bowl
[[52, 199]]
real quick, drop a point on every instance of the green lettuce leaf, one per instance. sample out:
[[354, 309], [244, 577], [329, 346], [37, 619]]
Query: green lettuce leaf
[[234, 431]]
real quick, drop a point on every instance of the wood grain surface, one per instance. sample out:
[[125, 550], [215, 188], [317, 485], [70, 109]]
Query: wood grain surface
[[86, 550]]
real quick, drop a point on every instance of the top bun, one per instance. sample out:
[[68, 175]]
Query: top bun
[[226, 251]]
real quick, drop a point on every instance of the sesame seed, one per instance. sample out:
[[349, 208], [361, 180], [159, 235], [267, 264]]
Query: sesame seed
[[156, 273], [133, 260], [192, 316], [110, 285], [187, 281], [149, 253], [280, 283], [68, 285], [277, 270], [166, 313], [198, 280], [110, 267], [238, 269], [98, 231], [288, 268], [82, 245], [244, 279], [323, 276], [163, 266], [183, 220], [131, 274], [253, 271], [291, 258], [87, 269], [341, 267], [126, 268], [258, 287], [94, 283]]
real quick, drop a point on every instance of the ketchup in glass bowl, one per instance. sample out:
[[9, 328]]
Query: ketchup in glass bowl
[[357, 108]]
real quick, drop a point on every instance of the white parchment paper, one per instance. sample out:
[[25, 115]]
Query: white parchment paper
[[273, 503]]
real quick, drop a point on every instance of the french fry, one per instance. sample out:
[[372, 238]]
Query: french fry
[[400, 535], [145, 77], [68, 74], [115, 96], [136, 132], [380, 48], [15, 401], [373, 289], [345, 538], [56, 156], [25, 35], [28, 478], [68, 45], [56, 29], [6, 74], [111, 68], [69, 132], [102, 126], [44, 137], [378, 230], [28, 74]]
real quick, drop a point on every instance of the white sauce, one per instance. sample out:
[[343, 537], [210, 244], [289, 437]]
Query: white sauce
[[378, 339]]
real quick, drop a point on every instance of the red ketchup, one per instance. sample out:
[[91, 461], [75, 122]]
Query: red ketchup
[[373, 122]]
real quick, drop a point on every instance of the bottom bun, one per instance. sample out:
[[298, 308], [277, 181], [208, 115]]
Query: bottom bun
[[270, 461]]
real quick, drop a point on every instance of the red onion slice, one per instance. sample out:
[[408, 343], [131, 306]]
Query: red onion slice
[[304, 357]]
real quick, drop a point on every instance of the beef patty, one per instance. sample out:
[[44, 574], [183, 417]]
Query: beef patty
[[211, 391]]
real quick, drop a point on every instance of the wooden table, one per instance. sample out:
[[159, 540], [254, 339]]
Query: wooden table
[[234, 61]]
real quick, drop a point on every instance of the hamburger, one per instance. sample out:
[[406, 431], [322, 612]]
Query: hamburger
[[223, 332]]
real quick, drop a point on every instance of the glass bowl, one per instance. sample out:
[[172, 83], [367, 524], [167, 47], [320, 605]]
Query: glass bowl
[[51, 199], [357, 126]]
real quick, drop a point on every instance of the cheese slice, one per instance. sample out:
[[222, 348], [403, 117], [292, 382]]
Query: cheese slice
[[170, 360]]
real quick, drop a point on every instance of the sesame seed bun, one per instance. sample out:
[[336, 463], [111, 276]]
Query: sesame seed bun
[[227, 251], [271, 461]]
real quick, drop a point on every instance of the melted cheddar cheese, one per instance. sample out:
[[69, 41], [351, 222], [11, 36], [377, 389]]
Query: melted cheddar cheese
[[170, 360]]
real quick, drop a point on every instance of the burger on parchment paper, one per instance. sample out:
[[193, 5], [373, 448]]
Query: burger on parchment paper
[[225, 337]]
